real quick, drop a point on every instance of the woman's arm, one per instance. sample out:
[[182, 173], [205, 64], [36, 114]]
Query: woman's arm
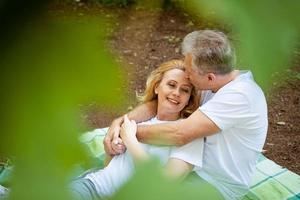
[[141, 113], [128, 133], [177, 169]]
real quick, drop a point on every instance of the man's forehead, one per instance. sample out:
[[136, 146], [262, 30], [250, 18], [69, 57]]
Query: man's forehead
[[188, 60], [189, 64], [188, 57]]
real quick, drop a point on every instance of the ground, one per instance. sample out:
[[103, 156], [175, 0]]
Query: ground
[[142, 39]]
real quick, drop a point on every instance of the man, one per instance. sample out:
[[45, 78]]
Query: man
[[232, 117]]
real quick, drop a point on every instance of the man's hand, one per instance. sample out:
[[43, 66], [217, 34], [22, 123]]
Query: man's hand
[[118, 145], [113, 145]]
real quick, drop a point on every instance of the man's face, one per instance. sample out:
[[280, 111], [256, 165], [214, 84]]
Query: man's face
[[199, 80]]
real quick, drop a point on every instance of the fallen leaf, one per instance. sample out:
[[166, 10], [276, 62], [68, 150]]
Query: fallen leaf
[[280, 123]]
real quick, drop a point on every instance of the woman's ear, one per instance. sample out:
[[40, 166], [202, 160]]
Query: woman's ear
[[156, 89]]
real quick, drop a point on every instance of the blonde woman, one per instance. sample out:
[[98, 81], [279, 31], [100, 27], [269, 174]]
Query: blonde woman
[[176, 98]]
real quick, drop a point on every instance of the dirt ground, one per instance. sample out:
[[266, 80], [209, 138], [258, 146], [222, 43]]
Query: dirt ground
[[142, 39]]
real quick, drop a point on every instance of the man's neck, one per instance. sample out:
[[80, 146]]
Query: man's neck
[[223, 80]]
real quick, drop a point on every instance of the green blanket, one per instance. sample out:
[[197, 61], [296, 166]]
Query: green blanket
[[270, 180]]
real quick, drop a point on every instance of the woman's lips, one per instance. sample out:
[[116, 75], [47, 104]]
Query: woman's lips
[[173, 101]]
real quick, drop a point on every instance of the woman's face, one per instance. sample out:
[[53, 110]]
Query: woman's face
[[173, 92]]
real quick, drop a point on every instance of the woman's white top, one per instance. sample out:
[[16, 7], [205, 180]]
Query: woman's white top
[[108, 180]]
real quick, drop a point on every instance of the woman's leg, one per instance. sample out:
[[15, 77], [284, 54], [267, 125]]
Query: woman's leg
[[83, 189], [196, 182]]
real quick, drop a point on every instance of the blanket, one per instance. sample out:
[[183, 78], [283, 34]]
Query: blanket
[[270, 180]]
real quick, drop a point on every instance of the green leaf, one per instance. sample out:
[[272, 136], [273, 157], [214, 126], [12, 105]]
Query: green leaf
[[266, 30], [52, 68], [149, 183]]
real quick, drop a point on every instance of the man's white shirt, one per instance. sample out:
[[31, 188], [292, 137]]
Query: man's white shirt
[[239, 109]]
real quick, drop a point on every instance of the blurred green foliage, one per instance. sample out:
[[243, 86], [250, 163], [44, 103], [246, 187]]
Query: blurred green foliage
[[266, 32], [122, 3], [48, 67], [116, 2], [6, 170], [150, 183]]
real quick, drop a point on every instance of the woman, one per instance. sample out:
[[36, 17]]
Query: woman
[[176, 98]]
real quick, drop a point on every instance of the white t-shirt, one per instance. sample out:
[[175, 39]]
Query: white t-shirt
[[108, 180], [239, 109]]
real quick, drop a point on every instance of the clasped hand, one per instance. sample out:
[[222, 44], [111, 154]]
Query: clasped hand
[[113, 144]]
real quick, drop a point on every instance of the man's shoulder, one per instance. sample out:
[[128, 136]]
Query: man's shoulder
[[243, 84]]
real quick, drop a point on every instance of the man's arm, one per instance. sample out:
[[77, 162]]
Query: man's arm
[[141, 113], [178, 133]]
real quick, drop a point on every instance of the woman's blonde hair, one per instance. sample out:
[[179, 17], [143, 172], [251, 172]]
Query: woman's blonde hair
[[155, 78]]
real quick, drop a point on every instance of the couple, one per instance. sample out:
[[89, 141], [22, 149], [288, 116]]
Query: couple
[[220, 140]]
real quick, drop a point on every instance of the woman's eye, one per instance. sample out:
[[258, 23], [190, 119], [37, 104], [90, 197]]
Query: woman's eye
[[171, 85], [185, 90]]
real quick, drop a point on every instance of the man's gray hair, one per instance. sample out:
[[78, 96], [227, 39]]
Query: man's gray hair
[[211, 51]]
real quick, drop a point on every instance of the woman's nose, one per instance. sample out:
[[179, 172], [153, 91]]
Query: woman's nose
[[176, 92]]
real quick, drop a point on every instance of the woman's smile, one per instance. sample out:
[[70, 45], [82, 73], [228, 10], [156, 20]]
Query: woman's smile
[[173, 101], [173, 93]]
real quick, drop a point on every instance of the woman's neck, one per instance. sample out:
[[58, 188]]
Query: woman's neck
[[163, 116]]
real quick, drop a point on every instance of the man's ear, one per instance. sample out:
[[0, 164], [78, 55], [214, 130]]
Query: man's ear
[[211, 76]]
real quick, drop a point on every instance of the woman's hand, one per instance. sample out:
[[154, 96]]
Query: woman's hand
[[128, 135], [128, 131], [113, 145]]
